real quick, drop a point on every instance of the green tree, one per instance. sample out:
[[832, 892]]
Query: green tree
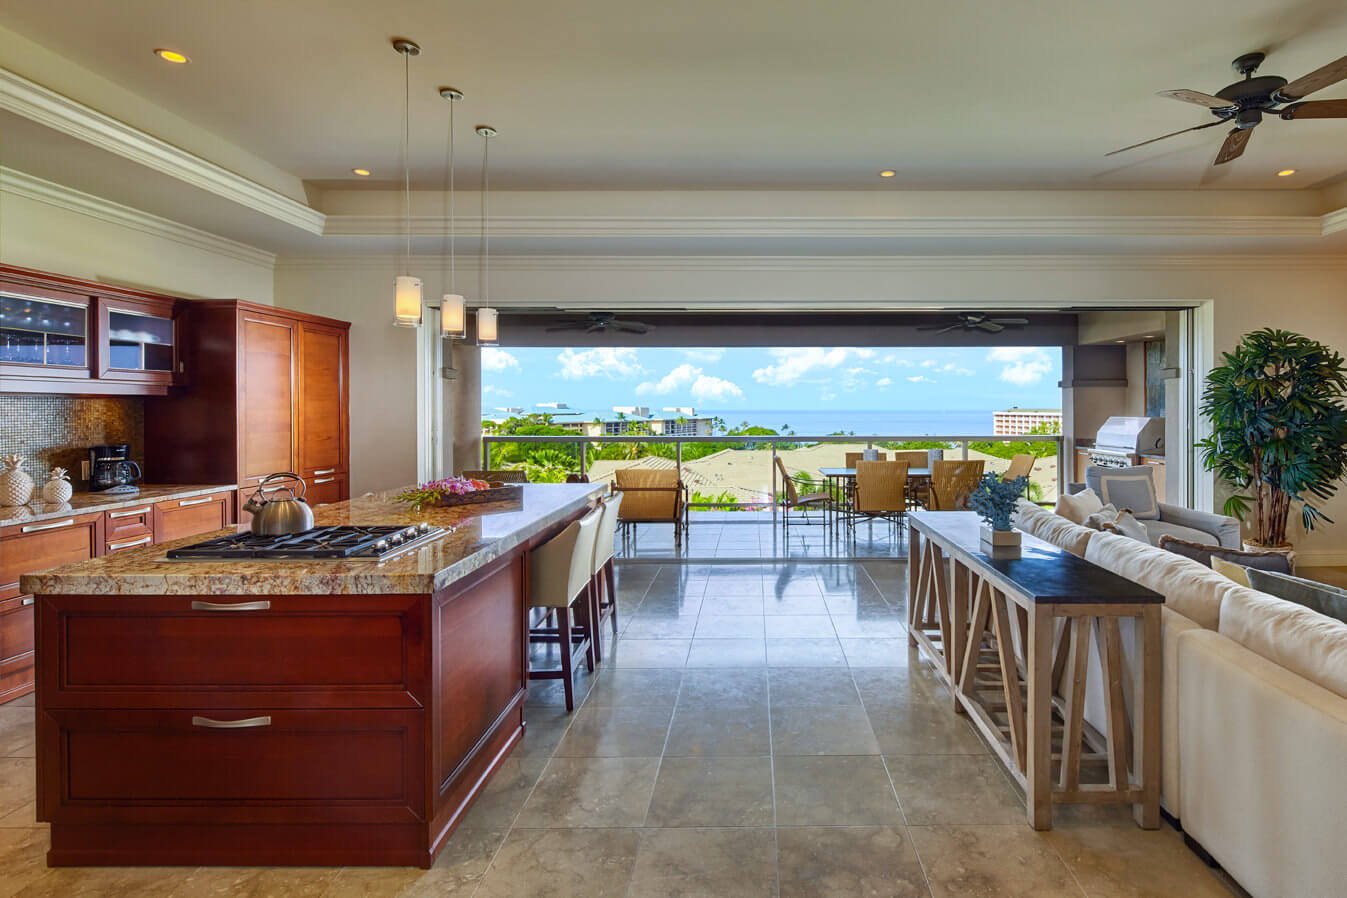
[[1036, 448]]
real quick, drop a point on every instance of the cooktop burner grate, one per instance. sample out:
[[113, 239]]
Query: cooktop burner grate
[[374, 543]]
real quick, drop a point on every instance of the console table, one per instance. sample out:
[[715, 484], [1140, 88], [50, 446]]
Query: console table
[[1012, 632]]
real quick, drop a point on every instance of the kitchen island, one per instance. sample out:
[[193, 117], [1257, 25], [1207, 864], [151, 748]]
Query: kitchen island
[[325, 712]]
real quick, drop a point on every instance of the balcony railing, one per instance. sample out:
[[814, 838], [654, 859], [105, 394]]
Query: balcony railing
[[755, 485]]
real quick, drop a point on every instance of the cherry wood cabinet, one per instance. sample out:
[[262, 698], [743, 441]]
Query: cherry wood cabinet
[[16, 647], [179, 518], [67, 335], [276, 398]]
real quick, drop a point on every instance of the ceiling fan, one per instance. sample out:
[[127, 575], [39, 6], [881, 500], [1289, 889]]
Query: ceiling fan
[[970, 321], [1244, 102], [602, 323]]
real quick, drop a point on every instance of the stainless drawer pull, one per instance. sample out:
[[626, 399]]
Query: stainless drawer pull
[[34, 528], [236, 606], [318, 480], [27, 601], [144, 540], [129, 513], [325, 471], [202, 501], [244, 724]]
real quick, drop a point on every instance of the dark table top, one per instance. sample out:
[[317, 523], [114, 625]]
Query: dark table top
[[851, 472], [1039, 571]]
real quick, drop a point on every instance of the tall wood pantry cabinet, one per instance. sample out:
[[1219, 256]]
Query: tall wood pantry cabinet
[[266, 390]]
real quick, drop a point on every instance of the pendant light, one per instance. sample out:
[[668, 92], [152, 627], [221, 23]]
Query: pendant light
[[487, 331], [453, 308], [406, 289]]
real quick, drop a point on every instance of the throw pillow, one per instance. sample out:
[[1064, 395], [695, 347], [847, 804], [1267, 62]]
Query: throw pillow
[[1280, 562], [1127, 525], [1231, 571], [1076, 508], [1327, 600], [1101, 518], [1131, 490]]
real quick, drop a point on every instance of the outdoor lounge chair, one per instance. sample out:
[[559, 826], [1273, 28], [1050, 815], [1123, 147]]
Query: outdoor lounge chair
[[792, 499]]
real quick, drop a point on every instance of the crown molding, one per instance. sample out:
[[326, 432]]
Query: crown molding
[[1335, 222], [21, 184], [1020, 227], [953, 263], [60, 113]]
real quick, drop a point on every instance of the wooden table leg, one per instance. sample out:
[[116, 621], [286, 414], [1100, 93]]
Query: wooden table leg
[[1038, 770], [960, 601], [913, 583], [1147, 814]]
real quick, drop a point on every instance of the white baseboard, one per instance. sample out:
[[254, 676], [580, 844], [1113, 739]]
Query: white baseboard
[[1321, 557]]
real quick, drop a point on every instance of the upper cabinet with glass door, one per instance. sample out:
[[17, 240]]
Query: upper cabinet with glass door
[[137, 340], [44, 335]]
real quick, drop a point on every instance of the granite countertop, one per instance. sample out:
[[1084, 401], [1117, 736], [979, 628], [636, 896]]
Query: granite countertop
[[84, 503], [481, 533]]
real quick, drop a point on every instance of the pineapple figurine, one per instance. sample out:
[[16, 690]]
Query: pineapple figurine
[[58, 489], [16, 487]]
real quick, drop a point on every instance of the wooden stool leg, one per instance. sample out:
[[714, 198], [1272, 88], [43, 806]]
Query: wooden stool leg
[[610, 577], [595, 617], [564, 630], [585, 604]]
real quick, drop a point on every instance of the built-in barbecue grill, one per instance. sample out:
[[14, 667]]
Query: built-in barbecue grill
[[1122, 440]]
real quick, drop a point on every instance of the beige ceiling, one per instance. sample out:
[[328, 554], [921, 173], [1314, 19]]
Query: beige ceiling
[[616, 94]]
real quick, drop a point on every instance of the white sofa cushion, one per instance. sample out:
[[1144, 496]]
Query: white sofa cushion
[[1079, 506], [1302, 641], [1052, 528], [1189, 588]]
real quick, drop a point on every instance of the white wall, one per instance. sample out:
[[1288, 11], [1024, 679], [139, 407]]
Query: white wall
[[1301, 293], [116, 247]]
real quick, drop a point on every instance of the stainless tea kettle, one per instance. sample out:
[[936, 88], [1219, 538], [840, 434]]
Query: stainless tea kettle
[[278, 517]]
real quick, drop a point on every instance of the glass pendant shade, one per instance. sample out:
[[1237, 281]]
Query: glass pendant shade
[[486, 327], [453, 316], [407, 301]]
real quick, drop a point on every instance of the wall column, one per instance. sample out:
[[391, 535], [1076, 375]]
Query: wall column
[[464, 418]]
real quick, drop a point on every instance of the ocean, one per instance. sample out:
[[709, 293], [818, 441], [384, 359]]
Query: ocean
[[867, 422]]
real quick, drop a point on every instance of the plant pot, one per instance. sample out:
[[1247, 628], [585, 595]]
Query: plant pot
[[1000, 539], [1284, 548]]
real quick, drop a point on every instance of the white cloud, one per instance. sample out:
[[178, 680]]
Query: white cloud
[[494, 359], [704, 355], [493, 390], [929, 363], [610, 363], [700, 386], [920, 379], [791, 366], [1022, 365], [884, 382]]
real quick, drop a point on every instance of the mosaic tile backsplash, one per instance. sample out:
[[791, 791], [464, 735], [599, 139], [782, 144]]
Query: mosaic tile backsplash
[[52, 431]]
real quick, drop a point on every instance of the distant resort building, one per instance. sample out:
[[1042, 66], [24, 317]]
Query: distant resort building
[[1016, 421], [676, 421]]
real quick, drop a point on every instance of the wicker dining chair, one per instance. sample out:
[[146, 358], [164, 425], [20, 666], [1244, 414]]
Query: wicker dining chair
[[853, 457], [504, 475], [881, 492], [652, 496], [793, 498], [1021, 465], [952, 482]]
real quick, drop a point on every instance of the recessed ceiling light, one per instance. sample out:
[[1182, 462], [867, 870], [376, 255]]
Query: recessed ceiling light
[[362, 172], [887, 173], [1286, 173], [1119, 341], [172, 56]]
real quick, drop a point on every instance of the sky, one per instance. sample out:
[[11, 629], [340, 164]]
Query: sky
[[796, 378]]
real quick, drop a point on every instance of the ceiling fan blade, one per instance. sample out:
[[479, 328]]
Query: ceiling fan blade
[[631, 327], [990, 326], [1165, 136], [952, 327], [565, 327], [1197, 97], [1011, 322], [1234, 145], [1316, 109], [1318, 79], [597, 328]]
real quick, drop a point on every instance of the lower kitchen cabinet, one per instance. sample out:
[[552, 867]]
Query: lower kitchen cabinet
[[16, 647], [322, 489], [180, 518]]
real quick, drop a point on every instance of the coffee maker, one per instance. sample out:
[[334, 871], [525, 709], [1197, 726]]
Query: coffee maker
[[111, 469]]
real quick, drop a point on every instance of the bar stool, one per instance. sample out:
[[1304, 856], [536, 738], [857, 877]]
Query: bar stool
[[605, 576], [560, 575]]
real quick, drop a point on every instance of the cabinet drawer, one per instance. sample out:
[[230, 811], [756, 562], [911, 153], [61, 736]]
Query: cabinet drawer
[[235, 651], [322, 489], [259, 765], [16, 647], [29, 548], [128, 523], [178, 518]]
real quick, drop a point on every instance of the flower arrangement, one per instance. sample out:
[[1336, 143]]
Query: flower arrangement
[[994, 499], [435, 491]]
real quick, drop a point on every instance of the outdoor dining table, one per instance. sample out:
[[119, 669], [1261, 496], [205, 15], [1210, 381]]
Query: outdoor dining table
[[838, 478]]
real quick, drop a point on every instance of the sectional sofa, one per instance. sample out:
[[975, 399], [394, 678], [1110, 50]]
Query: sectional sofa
[[1254, 715]]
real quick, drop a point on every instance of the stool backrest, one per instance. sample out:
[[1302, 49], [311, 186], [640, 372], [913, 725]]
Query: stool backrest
[[606, 538], [881, 486], [561, 567]]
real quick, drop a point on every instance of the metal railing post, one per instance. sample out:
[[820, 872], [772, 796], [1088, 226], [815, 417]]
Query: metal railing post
[[486, 453], [774, 496], [963, 446], [584, 459]]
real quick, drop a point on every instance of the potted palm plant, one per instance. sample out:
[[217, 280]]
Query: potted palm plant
[[1278, 430]]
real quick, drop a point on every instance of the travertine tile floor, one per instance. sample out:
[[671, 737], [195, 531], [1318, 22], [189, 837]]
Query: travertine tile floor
[[757, 730]]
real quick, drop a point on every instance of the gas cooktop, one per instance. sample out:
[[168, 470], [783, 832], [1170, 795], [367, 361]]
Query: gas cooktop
[[360, 543]]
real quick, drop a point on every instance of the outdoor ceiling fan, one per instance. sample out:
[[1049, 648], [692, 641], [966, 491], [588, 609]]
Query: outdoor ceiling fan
[[971, 321], [1244, 102], [602, 323]]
